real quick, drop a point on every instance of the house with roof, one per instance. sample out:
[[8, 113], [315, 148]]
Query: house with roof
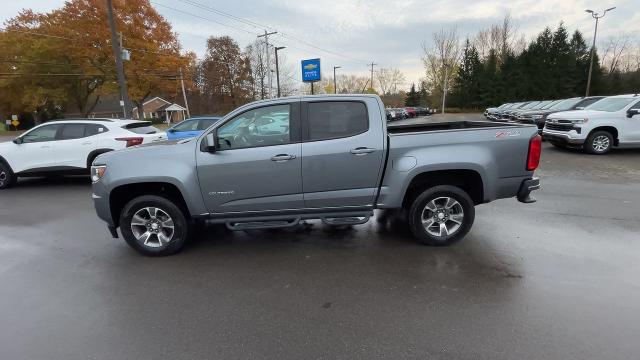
[[109, 107], [160, 108]]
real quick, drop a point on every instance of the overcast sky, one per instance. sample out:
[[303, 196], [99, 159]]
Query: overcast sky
[[356, 32]]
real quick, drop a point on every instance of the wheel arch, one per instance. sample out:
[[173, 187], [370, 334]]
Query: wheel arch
[[93, 154], [608, 128], [468, 180], [121, 195]]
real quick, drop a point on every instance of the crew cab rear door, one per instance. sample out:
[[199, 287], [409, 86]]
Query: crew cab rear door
[[342, 152], [257, 162]]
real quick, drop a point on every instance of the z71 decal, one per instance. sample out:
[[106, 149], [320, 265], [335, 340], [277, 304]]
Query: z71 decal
[[507, 133]]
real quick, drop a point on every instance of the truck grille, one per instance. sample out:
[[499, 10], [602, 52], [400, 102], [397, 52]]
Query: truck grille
[[559, 127]]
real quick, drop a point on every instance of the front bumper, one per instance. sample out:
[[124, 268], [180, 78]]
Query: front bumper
[[527, 186], [567, 138]]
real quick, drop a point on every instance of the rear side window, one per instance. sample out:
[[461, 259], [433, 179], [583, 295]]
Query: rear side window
[[336, 119], [143, 127], [93, 129], [72, 131]]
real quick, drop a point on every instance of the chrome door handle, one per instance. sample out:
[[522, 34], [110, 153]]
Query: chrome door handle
[[87, 143], [45, 147], [362, 150], [282, 157]]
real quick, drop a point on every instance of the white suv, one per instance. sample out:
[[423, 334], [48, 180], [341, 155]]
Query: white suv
[[69, 146], [611, 122]]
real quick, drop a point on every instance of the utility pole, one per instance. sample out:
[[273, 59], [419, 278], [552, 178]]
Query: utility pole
[[335, 83], [266, 41], [117, 53], [184, 94], [596, 16], [444, 88], [277, 69], [372, 65]]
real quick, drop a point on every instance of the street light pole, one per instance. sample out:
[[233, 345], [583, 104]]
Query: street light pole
[[277, 69], [117, 52], [335, 83], [596, 16]]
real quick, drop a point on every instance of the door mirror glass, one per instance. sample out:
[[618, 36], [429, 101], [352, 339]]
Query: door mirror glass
[[211, 143], [632, 112]]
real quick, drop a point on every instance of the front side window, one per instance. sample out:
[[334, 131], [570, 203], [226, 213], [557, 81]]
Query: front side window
[[336, 119], [43, 133], [265, 126]]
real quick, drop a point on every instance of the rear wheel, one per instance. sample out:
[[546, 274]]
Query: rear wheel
[[154, 226], [598, 143], [7, 177], [441, 215]]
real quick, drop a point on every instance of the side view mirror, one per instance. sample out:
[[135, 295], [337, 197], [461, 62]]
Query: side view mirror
[[211, 143], [171, 130], [632, 112], [18, 141]]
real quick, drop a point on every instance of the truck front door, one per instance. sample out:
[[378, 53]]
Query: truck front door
[[257, 162], [342, 153]]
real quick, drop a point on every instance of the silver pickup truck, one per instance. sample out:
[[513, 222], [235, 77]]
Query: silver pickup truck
[[277, 162]]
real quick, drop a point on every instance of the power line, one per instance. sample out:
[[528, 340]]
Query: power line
[[263, 26], [204, 18]]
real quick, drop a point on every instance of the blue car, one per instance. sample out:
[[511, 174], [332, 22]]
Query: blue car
[[191, 127]]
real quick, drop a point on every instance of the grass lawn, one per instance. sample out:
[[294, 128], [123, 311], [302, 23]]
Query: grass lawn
[[4, 132]]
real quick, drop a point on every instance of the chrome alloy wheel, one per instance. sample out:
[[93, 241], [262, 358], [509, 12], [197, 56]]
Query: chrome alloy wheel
[[442, 216], [601, 143], [152, 227], [3, 177]]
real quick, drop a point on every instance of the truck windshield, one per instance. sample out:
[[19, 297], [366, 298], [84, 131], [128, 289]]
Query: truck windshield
[[610, 104]]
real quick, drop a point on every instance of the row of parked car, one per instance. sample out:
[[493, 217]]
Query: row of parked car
[[595, 124], [407, 112]]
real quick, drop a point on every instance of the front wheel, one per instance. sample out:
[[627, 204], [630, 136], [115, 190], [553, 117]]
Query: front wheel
[[154, 226], [441, 215], [599, 143]]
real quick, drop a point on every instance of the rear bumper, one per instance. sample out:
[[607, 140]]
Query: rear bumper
[[527, 186]]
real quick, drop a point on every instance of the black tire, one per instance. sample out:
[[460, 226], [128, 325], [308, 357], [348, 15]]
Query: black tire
[[594, 142], [7, 177], [180, 232], [437, 193]]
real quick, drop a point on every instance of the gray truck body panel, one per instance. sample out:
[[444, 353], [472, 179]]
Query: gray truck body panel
[[323, 176]]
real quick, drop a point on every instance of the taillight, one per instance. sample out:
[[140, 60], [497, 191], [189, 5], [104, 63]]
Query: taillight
[[535, 149], [131, 141]]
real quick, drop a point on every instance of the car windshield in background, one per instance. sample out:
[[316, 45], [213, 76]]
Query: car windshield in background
[[143, 127], [610, 104], [566, 104], [203, 124], [188, 125], [550, 104]]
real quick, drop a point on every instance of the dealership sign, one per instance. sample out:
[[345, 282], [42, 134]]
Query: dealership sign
[[311, 70]]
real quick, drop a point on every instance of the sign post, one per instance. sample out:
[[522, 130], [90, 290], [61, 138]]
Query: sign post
[[15, 122], [311, 71]]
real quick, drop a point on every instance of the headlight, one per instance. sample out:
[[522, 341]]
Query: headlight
[[580, 121], [97, 172], [536, 117]]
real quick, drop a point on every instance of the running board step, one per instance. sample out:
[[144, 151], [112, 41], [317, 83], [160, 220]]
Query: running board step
[[350, 220], [256, 225]]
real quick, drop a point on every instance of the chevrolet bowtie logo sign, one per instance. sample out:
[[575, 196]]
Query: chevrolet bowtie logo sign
[[310, 66]]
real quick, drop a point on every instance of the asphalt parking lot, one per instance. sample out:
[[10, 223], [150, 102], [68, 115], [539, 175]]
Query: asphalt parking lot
[[558, 279]]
